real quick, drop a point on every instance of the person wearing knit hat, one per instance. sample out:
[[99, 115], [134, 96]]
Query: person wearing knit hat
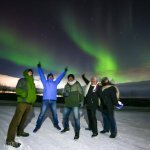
[[73, 95], [109, 96], [49, 97]]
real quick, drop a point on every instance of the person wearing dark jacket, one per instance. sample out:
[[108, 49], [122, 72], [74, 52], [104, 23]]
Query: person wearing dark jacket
[[109, 95], [73, 95], [91, 101], [26, 97], [49, 97]]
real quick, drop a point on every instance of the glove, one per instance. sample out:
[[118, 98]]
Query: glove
[[39, 65], [119, 105], [66, 69], [65, 94]]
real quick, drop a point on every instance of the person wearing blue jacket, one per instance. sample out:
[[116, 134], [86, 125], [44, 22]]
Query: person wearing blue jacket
[[49, 97]]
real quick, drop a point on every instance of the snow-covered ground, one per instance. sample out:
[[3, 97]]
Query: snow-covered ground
[[133, 132]]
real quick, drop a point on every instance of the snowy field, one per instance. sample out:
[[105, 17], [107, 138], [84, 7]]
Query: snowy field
[[133, 132]]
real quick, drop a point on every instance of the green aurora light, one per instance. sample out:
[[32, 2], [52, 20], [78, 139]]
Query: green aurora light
[[106, 64], [25, 53]]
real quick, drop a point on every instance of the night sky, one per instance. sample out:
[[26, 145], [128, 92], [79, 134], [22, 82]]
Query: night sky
[[102, 37]]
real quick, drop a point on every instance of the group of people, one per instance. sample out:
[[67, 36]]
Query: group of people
[[97, 95]]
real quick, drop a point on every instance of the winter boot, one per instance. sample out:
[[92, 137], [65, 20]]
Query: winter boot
[[57, 127], [94, 134], [24, 134], [104, 131], [13, 143], [113, 135], [76, 135], [36, 129], [65, 130]]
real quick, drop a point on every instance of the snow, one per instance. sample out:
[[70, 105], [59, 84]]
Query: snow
[[133, 132]]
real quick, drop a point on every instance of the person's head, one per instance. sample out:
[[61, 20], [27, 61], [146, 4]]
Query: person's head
[[30, 72], [50, 76], [70, 77], [94, 81], [105, 81]]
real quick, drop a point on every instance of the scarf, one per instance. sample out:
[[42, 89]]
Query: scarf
[[88, 86], [72, 82]]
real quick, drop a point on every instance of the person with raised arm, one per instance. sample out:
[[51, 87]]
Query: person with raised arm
[[49, 96]]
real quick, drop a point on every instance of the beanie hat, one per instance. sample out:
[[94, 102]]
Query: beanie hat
[[104, 79], [50, 74], [71, 75]]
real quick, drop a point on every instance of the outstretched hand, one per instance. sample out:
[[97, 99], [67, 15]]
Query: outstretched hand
[[119, 105], [83, 75], [66, 69], [39, 65]]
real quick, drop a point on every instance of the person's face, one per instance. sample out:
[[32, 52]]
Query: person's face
[[93, 81], [30, 73], [106, 81], [50, 77], [70, 79]]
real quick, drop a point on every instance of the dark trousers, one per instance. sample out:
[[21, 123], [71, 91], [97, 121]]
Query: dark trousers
[[92, 120], [18, 120], [109, 122]]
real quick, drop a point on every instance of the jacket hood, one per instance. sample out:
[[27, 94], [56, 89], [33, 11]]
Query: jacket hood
[[25, 73]]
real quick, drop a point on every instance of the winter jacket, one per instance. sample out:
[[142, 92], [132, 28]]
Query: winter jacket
[[109, 99], [25, 89], [73, 94], [91, 97], [50, 86]]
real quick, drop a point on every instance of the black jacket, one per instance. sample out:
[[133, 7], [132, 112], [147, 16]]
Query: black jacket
[[91, 98], [108, 97]]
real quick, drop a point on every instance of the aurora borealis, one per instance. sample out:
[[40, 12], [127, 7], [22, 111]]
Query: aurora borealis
[[105, 38], [105, 61], [22, 52]]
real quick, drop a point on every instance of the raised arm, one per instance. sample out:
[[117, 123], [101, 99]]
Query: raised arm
[[59, 78], [85, 79], [41, 74]]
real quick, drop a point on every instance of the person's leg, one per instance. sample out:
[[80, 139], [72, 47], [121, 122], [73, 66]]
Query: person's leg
[[113, 126], [89, 120], [66, 113], [54, 113], [39, 122], [20, 109], [94, 122], [106, 124], [20, 130], [76, 115]]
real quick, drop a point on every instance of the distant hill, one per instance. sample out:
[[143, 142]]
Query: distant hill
[[127, 90], [135, 89], [6, 80], [10, 81]]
